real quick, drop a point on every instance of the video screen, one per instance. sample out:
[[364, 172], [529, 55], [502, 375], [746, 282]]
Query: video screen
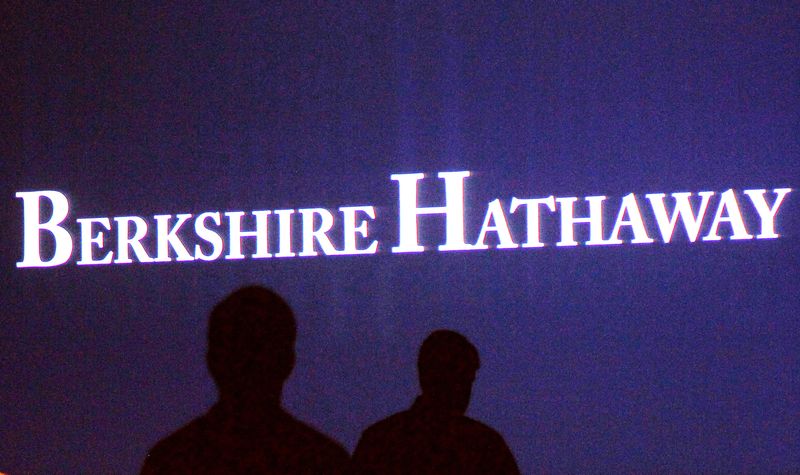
[[597, 201]]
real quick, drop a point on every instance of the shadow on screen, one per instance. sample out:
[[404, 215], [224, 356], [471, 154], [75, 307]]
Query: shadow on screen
[[250, 355], [434, 435]]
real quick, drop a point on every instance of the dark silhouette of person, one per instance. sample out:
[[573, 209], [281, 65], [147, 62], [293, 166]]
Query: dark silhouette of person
[[251, 336], [434, 436]]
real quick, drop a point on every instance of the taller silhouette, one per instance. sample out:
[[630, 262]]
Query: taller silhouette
[[251, 337], [434, 436]]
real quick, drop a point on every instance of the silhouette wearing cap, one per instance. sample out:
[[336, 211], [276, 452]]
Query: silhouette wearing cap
[[434, 436], [250, 355]]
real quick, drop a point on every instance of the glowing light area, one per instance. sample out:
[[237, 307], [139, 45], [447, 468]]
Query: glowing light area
[[730, 207], [169, 239], [133, 234], [32, 227], [765, 212], [351, 229], [350, 215], [285, 238], [263, 234], [629, 215], [494, 213], [630, 207], [320, 234], [125, 241], [208, 236], [236, 234], [568, 220], [682, 209], [453, 210], [97, 239], [532, 217]]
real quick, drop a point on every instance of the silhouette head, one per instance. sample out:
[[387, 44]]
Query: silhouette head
[[251, 337], [447, 365]]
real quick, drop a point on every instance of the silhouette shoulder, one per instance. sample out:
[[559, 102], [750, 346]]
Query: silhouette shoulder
[[407, 421], [390, 424], [497, 453], [408, 443], [208, 446], [182, 447], [316, 441]]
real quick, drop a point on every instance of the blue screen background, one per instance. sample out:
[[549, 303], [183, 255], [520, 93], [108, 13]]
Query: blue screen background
[[679, 357]]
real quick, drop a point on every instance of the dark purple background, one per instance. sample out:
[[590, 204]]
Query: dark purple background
[[656, 358]]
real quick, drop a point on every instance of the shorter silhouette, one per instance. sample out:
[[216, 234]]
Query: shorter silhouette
[[250, 355], [434, 436]]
